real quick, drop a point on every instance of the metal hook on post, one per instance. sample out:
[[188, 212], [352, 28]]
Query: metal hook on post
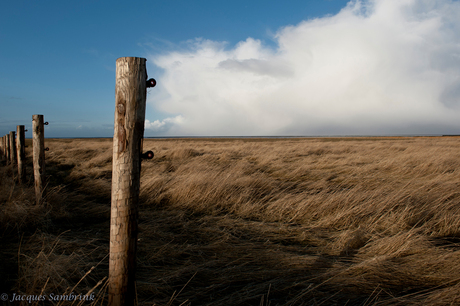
[[151, 83], [46, 123], [147, 155], [47, 149]]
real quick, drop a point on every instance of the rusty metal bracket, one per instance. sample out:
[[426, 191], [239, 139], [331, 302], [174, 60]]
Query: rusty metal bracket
[[147, 155]]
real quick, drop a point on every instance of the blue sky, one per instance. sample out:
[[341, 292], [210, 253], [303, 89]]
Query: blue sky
[[234, 68]]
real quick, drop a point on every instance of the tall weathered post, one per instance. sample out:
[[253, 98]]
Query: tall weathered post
[[38, 134], [21, 153], [130, 96]]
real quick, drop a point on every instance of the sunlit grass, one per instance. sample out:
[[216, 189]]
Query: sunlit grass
[[243, 222]]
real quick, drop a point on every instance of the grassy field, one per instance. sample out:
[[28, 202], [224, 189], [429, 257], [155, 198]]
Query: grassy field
[[325, 221]]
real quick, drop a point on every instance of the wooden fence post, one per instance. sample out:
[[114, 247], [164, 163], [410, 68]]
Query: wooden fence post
[[7, 143], [130, 96], [21, 153], [12, 151], [2, 149], [5, 148], [13, 147], [38, 132]]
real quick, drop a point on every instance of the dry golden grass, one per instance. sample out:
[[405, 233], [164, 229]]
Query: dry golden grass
[[327, 221]]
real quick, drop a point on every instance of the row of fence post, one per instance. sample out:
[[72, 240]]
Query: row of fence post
[[12, 150], [130, 103]]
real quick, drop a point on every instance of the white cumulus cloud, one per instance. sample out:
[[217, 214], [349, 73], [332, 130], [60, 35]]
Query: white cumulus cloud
[[376, 67], [163, 125]]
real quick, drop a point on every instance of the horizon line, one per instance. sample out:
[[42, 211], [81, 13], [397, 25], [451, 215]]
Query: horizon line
[[260, 136]]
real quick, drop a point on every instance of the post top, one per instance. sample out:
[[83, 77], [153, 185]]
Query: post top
[[130, 57]]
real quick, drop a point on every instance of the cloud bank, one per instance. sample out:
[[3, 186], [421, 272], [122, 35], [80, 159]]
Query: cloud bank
[[378, 67]]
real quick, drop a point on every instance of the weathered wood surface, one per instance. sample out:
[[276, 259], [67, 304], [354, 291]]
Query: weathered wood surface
[[21, 153], [38, 134], [130, 96]]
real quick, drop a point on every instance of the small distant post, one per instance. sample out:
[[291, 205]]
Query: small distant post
[[38, 132], [12, 151], [5, 148], [13, 147], [21, 153], [7, 145], [2, 148], [130, 96]]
